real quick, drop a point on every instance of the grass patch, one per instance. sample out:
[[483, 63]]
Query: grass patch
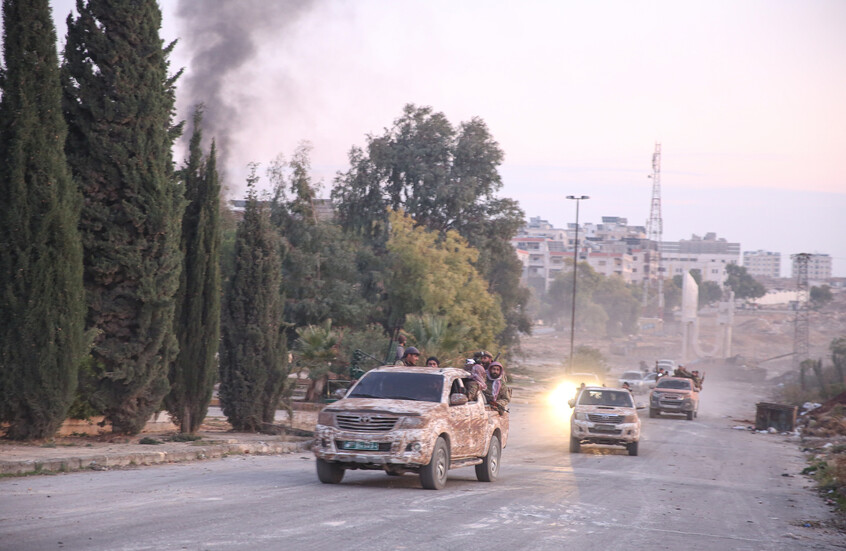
[[185, 437], [150, 441]]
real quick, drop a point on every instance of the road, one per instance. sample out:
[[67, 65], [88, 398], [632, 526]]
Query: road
[[696, 485]]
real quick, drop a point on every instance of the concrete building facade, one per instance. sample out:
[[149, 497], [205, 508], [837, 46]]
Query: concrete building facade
[[762, 263]]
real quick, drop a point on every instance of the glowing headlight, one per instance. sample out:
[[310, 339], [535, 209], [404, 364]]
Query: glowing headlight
[[325, 418], [412, 422]]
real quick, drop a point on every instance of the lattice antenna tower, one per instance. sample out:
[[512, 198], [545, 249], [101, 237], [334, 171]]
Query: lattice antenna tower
[[654, 233], [803, 310]]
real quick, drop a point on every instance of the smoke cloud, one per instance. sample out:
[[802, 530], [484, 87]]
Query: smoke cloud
[[222, 39]]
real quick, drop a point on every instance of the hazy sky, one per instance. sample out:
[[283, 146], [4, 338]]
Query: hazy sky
[[748, 99]]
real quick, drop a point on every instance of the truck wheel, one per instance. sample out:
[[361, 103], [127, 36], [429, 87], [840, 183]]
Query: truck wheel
[[690, 416], [632, 448], [434, 475], [653, 413], [329, 473], [575, 445], [488, 469]]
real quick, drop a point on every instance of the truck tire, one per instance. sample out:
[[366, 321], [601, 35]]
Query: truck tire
[[329, 473], [488, 469], [690, 416], [575, 445], [433, 476], [632, 448], [653, 413]]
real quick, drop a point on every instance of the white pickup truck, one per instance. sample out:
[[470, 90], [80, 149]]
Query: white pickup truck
[[410, 419]]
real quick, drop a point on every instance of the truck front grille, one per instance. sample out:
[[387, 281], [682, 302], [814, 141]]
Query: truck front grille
[[366, 423], [605, 418]]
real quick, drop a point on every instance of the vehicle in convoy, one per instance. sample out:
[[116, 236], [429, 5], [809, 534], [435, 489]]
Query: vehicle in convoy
[[589, 379], [604, 416], [674, 395], [410, 419], [649, 380], [635, 380], [668, 365]]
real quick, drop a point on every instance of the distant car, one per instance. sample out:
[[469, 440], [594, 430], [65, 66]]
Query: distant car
[[635, 380], [604, 416], [649, 380], [589, 379], [674, 395], [668, 365]]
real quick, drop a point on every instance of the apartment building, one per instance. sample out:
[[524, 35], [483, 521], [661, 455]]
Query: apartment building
[[615, 248], [819, 267], [762, 263]]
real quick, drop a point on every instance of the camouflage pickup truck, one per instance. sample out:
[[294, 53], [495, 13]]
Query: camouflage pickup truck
[[410, 419]]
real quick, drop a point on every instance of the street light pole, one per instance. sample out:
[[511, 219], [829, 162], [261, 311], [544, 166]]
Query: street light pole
[[575, 266]]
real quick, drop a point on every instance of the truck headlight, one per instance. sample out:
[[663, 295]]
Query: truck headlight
[[581, 416], [630, 418], [325, 418], [412, 422]]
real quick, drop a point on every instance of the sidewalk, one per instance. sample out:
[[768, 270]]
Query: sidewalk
[[106, 451]]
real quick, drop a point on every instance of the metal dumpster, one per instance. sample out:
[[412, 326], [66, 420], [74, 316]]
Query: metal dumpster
[[778, 416]]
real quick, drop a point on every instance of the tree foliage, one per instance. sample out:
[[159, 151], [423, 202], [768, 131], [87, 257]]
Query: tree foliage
[[436, 276], [743, 284], [820, 296], [119, 102], [42, 306], [253, 359], [434, 336], [320, 268], [709, 293], [316, 348], [446, 179], [194, 372]]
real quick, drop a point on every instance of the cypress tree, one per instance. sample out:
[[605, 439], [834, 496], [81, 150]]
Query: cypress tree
[[194, 372], [119, 103], [253, 359], [42, 304]]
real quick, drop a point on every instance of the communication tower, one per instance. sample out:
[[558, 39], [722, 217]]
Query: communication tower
[[654, 235], [801, 321]]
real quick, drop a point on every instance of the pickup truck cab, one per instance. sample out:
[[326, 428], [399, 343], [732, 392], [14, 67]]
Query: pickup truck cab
[[604, 416], [674, 395], [410, 419]]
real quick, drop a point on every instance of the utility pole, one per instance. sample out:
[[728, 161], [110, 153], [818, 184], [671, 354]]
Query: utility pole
[[575, 274], [801, 321], [654, 235]]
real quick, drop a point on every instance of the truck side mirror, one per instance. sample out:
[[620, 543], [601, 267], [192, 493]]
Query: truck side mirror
[[571, 402], [457, 399]]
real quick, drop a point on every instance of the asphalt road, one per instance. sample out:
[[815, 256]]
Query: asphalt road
[[696, 485]]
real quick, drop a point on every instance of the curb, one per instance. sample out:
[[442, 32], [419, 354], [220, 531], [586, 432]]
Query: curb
[[100, 462]]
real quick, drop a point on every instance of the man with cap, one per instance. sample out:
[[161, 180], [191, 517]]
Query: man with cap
[[409, 357], [485, 359]]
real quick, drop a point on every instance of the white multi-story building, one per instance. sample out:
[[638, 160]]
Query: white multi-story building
[[614, 248], [709, 255], [762, 263], [819, 267]]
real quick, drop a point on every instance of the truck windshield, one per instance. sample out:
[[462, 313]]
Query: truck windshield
[[597, 397], [670, 383], [423, 387]]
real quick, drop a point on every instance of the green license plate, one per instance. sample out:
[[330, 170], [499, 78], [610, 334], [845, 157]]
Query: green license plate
[[353, 445]]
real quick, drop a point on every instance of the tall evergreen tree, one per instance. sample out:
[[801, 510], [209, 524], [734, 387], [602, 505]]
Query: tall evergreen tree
[[119, 103], [253, 359], [42, 305], [194, 372]]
